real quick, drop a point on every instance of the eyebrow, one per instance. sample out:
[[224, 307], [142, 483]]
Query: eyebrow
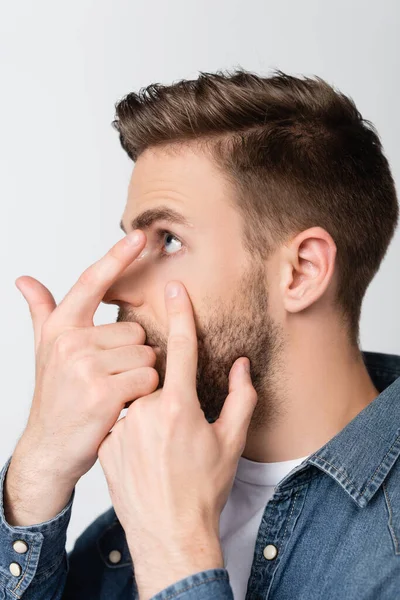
[[162, 213]]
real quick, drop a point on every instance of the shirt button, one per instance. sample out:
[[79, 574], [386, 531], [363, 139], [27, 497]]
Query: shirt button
[[115, 556], [270, 552], [20, 546], [15, 569]]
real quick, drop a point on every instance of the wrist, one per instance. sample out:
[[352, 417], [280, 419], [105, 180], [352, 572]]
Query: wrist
[[32, 494], [176, 543], [34, 461], [159, 565]]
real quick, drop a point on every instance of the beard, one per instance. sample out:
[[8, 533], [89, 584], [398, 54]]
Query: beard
[[225, 332]]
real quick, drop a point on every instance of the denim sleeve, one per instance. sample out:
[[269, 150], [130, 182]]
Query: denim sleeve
[[39, 570], [211, 583]]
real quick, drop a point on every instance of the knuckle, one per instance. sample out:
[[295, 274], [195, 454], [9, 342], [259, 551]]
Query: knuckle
[[99, 393], [174, 409], [85, 368], [140, 404], [88, 277], [140, 378], [234, 444], [65, 343], [147, 376], [148, 355], [134, 330], [137, 405], [178, 342], [137, 330], [136, 408], [253, 394], [154, 378]]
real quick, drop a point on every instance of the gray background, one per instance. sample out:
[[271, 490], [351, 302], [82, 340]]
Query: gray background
[[64, 176]]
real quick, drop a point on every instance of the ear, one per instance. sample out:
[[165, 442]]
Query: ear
[[309, 266]]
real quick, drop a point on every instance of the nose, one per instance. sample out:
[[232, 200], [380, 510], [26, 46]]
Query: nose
[[108, 300], [123, 292], [129, 285]]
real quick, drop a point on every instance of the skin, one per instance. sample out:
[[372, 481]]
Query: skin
[[310, 382], [169, 471]]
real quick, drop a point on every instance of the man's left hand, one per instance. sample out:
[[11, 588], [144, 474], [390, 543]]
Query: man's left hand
[[170, 471]]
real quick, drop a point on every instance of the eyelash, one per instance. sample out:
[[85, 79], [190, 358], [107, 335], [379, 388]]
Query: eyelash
[[161, 233]]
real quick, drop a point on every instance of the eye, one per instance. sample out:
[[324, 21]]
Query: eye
[[169, 241]]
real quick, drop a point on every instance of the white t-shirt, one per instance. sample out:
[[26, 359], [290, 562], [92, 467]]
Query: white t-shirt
[[253, 487]]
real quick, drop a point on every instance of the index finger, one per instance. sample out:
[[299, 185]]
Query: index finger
[[81, 302], [182, 352]]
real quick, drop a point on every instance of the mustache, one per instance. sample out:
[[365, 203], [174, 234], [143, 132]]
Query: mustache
[[152, 339]]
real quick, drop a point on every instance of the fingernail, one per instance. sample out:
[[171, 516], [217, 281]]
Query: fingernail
[[172, 290], [133, 238]]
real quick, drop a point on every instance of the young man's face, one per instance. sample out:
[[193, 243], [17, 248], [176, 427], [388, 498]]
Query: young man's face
[[228, 291]]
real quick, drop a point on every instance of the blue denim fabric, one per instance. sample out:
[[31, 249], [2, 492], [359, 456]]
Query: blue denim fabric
[[334, 519]]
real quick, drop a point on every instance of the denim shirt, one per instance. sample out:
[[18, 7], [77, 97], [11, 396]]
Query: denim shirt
[[333, 523]]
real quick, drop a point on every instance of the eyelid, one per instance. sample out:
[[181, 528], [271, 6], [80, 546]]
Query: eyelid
[[161, 232]]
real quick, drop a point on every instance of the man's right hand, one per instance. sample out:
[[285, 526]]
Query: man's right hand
[[85, 375]]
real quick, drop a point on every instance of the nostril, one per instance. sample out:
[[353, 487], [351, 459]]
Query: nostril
[[107, 300]]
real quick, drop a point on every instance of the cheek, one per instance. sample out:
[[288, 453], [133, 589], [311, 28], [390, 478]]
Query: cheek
[[221, 272], [212, 275], [186, 269], [189, 276]]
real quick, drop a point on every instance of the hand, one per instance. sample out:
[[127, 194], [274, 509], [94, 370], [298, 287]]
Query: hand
[[84, 377], [169, 471]]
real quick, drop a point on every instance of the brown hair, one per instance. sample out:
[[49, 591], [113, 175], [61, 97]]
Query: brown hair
[[298, 153]]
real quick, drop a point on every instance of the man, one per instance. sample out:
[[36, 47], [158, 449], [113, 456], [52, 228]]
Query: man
[[268, 204]]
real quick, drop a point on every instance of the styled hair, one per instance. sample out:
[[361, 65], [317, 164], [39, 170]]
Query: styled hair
[[298, 154]]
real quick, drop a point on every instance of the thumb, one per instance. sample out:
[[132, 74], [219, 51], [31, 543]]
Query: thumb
[[40, 301], [236, 414]]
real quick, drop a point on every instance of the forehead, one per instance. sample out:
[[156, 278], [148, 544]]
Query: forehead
[[188, 182], [183, 175]]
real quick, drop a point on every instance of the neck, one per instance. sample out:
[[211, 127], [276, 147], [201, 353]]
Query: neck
[[320, 386]]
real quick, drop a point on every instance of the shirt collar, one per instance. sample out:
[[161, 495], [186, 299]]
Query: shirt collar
[[361, 455]]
